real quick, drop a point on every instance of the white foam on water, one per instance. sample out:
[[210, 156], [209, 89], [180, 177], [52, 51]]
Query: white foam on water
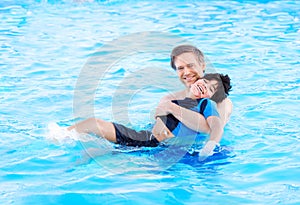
[[61, 135]]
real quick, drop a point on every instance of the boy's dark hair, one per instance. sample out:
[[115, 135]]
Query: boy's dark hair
[[185, 49], [223, 86]]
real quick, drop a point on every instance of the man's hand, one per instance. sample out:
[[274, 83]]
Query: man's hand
[[163, 108]]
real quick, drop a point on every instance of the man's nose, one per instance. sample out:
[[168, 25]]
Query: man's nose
[[186, 70]]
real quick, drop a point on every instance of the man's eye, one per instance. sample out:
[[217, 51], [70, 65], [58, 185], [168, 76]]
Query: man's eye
[[190, 65], [179, 68]]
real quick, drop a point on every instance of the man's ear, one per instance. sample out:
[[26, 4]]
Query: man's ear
[[203, 66]]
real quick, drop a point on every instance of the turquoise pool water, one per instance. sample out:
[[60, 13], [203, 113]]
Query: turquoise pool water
[[46, 47]]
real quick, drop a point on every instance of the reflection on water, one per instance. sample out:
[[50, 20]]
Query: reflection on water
[[45, 46]]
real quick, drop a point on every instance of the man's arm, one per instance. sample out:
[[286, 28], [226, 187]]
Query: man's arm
[[178, 95], [189, 118]]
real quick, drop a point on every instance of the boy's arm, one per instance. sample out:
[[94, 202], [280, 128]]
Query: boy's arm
[[216, 133], [225, 109], [216, 129]]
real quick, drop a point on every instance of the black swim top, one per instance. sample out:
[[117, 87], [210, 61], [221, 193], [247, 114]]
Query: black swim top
[[172, 122]]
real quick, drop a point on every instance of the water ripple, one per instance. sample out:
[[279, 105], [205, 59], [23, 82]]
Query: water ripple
[[45, 44]]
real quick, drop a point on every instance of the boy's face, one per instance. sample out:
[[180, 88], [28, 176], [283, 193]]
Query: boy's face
[[203, 88], [188, 68]]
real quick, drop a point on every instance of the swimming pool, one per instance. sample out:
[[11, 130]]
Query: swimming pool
[[46, 46]]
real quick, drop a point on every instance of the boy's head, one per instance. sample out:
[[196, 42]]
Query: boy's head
[[213, 85]]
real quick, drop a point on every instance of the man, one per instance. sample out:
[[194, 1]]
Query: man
[[189, 63]]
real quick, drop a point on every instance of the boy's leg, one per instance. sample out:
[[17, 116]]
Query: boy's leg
[[160, 130], [97, 126]]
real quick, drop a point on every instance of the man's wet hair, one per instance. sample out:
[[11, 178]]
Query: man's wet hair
[[186, 49], [223, 88]]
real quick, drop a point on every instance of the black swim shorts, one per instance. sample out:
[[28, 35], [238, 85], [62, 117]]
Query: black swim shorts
[[130, 137]]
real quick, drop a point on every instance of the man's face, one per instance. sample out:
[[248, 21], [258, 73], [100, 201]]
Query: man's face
[[188, 68]]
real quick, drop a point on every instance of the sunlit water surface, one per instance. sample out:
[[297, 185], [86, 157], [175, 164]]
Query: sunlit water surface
[[46, 46]]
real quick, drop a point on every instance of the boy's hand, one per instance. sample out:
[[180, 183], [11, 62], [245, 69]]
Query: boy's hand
[[207, 150]]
